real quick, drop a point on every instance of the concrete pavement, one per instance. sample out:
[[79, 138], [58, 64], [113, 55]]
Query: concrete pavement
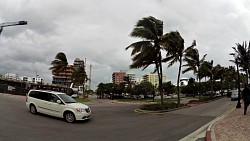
[[232, 126]]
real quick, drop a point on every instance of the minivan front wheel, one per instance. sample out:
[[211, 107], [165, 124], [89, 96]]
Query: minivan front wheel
[[69, 117], [33, 109]]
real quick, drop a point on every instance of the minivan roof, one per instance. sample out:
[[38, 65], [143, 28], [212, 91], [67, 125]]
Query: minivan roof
[[54, 92]]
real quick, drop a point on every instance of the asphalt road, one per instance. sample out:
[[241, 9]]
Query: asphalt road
[[110, 122]]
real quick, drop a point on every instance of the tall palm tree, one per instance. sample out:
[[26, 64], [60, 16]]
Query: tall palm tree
[[148, 51], [60, 65], [242, 56], [192, 58], [174, 45], [220, 75]]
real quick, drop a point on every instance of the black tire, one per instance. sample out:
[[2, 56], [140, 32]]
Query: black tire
[[33, 109], [69, 117]]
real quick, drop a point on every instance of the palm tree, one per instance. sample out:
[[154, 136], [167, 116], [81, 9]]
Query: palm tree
[[192, 58], [148, 51], [209, 70], [242, 56], [59, 65], [79, 76], [230, 77], [220, 75], [174, 45]]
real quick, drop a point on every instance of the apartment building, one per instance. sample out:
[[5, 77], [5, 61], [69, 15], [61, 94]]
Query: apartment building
[[153, 78]]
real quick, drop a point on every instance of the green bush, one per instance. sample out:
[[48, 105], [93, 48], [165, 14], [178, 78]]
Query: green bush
[[159, 107]]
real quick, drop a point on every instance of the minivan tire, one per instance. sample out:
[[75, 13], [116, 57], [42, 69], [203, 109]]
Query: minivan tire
[[69, 117], [33, 109]]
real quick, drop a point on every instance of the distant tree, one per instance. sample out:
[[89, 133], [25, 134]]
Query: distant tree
[[79, 76], [192, 58], [144, 88], [210, 71], [230, 78], [60, 65], [128, 82], [168, 87]]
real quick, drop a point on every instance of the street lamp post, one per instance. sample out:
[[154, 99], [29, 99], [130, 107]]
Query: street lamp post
[[2, 25]]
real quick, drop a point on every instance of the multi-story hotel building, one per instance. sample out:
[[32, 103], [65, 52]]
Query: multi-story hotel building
[[118, 77], [64, 77]]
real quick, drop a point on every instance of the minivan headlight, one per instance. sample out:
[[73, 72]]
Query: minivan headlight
[[80, 110]]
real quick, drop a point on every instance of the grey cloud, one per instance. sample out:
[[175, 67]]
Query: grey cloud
[[99, 31]]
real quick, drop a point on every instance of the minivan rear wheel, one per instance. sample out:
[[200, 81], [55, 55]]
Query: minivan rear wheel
[[69, 117], [33, 109]]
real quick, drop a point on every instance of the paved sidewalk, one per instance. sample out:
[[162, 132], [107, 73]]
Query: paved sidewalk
[[233, 127]]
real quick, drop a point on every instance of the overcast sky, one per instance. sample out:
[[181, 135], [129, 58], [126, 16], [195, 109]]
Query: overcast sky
[[98, 30]]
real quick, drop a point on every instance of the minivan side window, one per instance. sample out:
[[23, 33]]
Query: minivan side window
[[33, 94], [43, 96]]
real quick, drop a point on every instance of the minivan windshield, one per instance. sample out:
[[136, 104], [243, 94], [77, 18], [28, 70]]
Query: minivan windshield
[[66, 98]]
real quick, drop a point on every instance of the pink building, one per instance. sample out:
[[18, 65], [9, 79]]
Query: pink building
[[118, 77]]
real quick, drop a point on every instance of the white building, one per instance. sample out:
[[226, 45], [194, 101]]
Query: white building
[[183, 82], [11, 76]]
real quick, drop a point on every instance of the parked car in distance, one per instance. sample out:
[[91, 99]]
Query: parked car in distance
[[234, 95], [207, 93], [57, 104]]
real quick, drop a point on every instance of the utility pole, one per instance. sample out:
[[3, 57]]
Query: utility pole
[[90, 75]]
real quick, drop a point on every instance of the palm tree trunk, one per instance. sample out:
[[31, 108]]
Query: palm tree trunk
[[178, 80], [160, 84], [247, 72], [158, 65], [212, 91], [199, 88]]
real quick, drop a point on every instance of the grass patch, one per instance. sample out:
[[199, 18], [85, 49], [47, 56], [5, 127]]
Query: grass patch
[[82, 100], [159, 107]]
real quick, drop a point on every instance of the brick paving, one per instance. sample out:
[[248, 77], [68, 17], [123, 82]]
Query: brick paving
[[233, 127]]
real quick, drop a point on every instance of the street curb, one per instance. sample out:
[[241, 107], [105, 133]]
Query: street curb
[[158, 112], [210, 135]]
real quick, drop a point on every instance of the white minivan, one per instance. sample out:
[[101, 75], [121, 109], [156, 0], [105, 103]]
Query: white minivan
[[57, 104]]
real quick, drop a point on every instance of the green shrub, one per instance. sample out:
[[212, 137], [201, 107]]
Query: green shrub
[[159, 107]]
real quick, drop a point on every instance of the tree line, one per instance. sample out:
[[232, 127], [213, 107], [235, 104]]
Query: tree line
[[155, 48]]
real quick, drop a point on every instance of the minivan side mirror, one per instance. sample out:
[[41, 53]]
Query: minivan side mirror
[[59, 101]]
